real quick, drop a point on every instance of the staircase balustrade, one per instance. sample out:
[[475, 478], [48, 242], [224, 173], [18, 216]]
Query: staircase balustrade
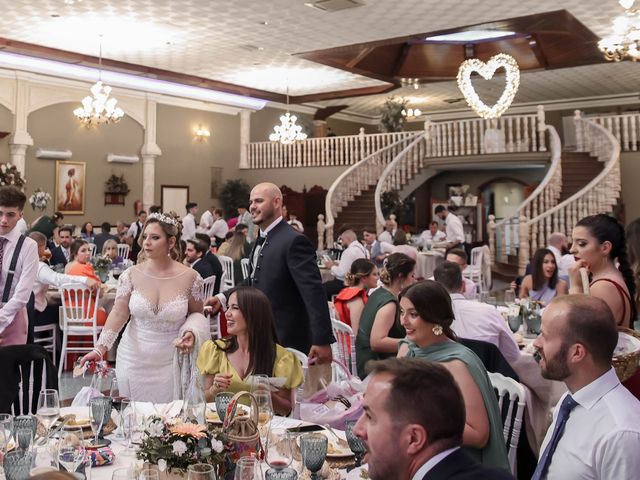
[[624, 127]]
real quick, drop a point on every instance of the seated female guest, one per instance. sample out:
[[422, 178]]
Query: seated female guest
[[362, 276], [543, 284], [598, 243], [399, 246], [110, 249], [86, 232], [238, 249], [250, 349], [426, 314], [80, 265], [380, 331]]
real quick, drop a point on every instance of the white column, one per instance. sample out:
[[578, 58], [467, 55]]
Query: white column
[[20, 140], [245, 137], [149, 152]]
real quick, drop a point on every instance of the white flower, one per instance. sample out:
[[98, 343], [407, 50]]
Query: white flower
[[179, 447], [217, 446], [162, 464], [155, 429]]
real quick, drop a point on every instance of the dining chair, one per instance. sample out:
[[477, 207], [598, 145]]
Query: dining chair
[[208, 285], [123, 250], [514, 394], [92, 249], [48, 338], [228, 280], [297, 392], [345, 347], [244, 263], [78, 318]]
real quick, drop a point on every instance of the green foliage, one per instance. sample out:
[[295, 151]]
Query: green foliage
[[234, 194], [391, 119], [390, 203]]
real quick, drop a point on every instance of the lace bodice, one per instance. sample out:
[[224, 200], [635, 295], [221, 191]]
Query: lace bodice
[[158, 304]]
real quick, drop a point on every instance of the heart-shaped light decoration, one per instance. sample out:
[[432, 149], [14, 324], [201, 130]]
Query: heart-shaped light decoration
[[487, 70]]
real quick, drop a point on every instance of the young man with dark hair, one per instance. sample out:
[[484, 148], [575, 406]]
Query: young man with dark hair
[[189, 221], [212, 260], [103, 236], [19, 267], [453, 227], [134, 232], [61, 254], [219, 228], [412, 424], [193, 256]]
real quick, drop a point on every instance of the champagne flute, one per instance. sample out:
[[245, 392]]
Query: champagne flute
[[260, 382], [265, 412], [279, 453], [96, 415], [71, 451], [128, 424], [48, 408], [201, 471]]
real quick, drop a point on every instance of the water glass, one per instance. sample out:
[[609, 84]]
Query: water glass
[[283, 474], [44, 459], [533, 323], [514, 322], [24, 430], [48, 408], [201, 471], [149, 475], [17, 465], [124, 474], [493, 301], [356, 445], [279, 451], [71, 451], [314, 451], [247, 468], [509, 297], [222, 402]]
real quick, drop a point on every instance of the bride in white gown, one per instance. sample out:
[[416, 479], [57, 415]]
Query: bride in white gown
[[164, 299]]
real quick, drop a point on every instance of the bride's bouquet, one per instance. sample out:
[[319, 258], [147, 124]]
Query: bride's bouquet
[[174, 445]]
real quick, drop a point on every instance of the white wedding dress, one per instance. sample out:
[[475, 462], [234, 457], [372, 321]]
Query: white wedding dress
[[147, 361]]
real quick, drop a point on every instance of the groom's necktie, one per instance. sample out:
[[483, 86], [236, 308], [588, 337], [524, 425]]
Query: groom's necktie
[[256, 253], [567, 405]]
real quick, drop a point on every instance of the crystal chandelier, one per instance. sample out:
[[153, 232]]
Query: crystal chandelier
[[411, 113], [624, 43], [287, 132], [99, 107]]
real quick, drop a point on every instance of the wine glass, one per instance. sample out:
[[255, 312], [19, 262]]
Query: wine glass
[[128, 423], [247, 468], [6, 428], [279, 454], [124, 474], [44, 460], [356, 445], [260, 382], [48, 408], [509, 297], [149, 475], [201, 471], [314, 451], [265, 412], [117, 400], [71, 451], [96, 415]]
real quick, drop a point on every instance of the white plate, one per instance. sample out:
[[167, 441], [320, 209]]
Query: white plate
[[356, 473]]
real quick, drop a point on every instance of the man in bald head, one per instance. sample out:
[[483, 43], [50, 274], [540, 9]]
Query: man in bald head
[[283, 266]]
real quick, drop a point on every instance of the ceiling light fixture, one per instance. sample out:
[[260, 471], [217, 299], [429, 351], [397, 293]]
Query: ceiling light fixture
[[470, 36], [411, 113], [287, 132], [624, 42], [99, 107]]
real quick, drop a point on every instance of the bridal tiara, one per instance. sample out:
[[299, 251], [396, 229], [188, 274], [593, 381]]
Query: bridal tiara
[[164, 218]]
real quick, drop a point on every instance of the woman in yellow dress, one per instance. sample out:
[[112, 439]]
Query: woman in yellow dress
[[249, 349]]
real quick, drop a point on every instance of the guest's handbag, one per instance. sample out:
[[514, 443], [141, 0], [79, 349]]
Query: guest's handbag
[[242, 428]]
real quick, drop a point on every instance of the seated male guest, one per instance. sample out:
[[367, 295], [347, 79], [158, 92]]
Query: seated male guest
[[460, 258], [432, 235], [353, 250], [389, 231], [212, 260], [475, 320], [40, 313], [595, 431], [219, 229], [104, 235], [193, 258], [372, 245], [416, 407], [61, 255]]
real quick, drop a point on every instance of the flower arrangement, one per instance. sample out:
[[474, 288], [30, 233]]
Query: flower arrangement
[[39, 199], [10, 175], [116, 184], [174, 445], [101, 265]]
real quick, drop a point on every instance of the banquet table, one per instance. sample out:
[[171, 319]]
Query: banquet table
[[123, 460], [427, 261]]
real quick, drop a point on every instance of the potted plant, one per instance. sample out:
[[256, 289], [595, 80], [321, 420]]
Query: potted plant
[[391, 118], [10, 175], [234, 194], [115, 190]]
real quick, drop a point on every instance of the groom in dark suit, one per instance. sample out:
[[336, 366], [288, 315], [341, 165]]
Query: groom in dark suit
[[283, 266], [412, 424]]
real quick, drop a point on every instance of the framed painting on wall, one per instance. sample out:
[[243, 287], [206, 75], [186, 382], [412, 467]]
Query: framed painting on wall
[[70, 187], [173, 198]]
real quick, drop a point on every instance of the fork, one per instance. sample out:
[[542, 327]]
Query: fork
[[343, 400]]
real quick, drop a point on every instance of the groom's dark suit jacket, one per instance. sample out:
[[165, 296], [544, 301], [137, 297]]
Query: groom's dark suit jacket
[[460, 466], [287, 272]]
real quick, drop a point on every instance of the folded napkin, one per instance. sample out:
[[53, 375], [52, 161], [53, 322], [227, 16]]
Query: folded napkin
[[164, 410], [101, 456]]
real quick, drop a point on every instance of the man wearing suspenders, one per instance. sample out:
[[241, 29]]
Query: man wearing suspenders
[[19, 267]]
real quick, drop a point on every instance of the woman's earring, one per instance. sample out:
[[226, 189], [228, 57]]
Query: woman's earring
[[437, 330]]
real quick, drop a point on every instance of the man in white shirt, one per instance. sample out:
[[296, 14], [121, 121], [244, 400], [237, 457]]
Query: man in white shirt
[[388, 232], [15, 288], [353, 250], [134, 232], [475, 320], [558, 244], [595, 433], [295, 223], [206, 220], [189, 222], [432, 234], [412, 424], [460, 258], [454, 228], [244, 217], [219, 228]]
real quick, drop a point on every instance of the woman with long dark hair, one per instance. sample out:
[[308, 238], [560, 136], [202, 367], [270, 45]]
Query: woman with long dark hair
[[426, 314], [249, 349], [599, 246], [543, 284], [361, 277]]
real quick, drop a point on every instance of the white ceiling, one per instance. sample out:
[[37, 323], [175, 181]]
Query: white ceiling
[[227, 40]]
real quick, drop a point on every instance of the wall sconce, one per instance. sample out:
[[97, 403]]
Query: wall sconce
[[202, 133]]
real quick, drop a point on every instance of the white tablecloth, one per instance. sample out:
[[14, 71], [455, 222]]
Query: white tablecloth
[[427, 261]]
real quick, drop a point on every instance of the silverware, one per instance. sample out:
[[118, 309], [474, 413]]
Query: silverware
[[53, 431], [341, 441]]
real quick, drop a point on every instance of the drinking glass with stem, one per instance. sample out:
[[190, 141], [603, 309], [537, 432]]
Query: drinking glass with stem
[[71, 451], [356, 445], [96, 416], [48, 408], [201, 471], [509, 297], [6, 428], [265, 412], [247, 468], [279, 451], [149, 474], [128, 424], [314, 451]]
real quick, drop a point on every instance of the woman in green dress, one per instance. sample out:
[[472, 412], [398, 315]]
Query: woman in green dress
[[426, 315], [379, 330]]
